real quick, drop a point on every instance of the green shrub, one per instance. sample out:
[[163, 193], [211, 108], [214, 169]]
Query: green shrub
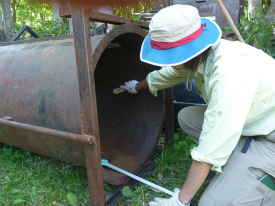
[[45, 29], [257, 33]]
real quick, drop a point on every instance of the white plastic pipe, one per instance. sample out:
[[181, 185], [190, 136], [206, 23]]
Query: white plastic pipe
[[142, 180]]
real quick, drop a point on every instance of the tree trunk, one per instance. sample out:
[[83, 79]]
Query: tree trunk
[[1, 21], [253, 6], [145, 6], [2, 36], [13, 6], [42, 17], [7, 17], [270, 15], [55, 8]]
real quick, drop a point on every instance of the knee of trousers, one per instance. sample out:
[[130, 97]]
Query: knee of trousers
[[191, 120], [188, 121], [183, 119]]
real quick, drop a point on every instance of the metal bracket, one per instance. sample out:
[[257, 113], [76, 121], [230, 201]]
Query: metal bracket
[[86, 139], [21, 31], [104, 18]]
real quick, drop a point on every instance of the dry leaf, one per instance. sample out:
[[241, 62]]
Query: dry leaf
[[154, 189], [160, 177]]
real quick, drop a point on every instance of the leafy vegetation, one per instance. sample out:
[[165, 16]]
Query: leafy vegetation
[[31, 179], [39, 17], [128, 12], [46, 29], [171, 171], [36, 15], [256, 32]]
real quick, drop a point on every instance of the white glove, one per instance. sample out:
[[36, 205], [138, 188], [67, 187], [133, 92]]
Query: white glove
[[173, 201], [130, 86]]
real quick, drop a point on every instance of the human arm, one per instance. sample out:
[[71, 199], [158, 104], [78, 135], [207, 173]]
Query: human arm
[[141, 85], [231, 91], [196, 176], [165, 78], [157, 80]]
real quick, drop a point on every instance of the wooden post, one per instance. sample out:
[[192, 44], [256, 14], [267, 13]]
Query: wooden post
[[230, 21]]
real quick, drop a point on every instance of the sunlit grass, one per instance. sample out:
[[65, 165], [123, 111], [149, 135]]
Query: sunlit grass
[[30, 179], [171, 172]]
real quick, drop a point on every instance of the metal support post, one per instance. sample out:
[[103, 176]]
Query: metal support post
[[89, 116], [169, 116]]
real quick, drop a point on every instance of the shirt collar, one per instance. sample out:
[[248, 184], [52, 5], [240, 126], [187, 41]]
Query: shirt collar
[[201, 66], [200, 69]]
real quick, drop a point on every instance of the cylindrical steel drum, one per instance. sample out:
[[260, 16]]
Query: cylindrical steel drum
[[39, 86]]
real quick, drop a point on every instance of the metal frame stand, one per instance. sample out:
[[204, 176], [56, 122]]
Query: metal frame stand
[[89, 116]]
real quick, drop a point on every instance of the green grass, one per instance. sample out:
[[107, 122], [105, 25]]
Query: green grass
[[171, 172], [30, 179]]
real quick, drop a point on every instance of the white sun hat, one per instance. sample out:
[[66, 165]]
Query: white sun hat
[[177, 34]]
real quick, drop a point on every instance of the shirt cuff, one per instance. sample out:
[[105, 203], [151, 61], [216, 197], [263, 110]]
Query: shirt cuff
[[216, 166], [152, 89]]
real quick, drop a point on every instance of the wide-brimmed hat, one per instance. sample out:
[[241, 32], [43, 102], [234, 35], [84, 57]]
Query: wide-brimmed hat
[[177, 34]]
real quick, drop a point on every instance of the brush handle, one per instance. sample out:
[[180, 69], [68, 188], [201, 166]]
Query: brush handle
[[118, 90], [142, 180]]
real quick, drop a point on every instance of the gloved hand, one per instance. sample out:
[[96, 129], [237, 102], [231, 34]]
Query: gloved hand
[[173, 201], [130, 86]]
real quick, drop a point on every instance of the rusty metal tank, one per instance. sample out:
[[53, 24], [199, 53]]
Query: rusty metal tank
[[39, 86]]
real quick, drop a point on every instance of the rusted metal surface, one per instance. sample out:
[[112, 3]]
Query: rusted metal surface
[[94, 173], [88, 105], [134, 131], [39, 86], [7, 121], [169, 116], [48, 142], [42, 39], [104, 18], [169, 105]]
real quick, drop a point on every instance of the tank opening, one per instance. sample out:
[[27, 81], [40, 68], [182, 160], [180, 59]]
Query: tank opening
[[129, 125]]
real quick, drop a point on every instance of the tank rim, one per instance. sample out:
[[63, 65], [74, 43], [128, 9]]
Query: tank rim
[[109, 37]]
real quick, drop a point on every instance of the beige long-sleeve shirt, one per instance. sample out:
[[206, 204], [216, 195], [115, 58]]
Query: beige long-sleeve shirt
[[238, 84]]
